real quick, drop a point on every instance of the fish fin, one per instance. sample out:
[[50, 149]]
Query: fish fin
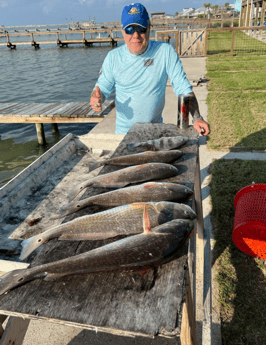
[[146, 221], [88, 236], [95, 166], [29, 245], [143, 272], [130, 147], [117, 185]]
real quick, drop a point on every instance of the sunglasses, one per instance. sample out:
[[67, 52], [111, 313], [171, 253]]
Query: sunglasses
[[129, 30]]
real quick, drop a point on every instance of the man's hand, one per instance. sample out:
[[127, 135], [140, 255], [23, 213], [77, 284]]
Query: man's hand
[[96, 99], [202, 127]]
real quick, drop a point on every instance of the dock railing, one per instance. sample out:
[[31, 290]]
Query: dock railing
[[223, 41]]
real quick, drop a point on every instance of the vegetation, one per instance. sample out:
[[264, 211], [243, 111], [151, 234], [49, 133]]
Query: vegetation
[[241, 278], [237, 103]]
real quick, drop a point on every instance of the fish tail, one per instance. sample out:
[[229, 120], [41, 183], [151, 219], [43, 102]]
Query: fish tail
[[131, 146], [95, 166], [29, 245]]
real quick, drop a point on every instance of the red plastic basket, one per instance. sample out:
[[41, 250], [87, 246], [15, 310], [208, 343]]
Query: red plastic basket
[[249, 233]]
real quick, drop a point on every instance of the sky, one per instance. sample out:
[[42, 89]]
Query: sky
[[31, 12]]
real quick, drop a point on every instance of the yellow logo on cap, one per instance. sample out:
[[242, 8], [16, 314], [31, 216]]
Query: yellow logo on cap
[[133, 10]]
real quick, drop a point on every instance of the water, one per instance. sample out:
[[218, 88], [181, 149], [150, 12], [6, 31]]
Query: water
[[49, 74]]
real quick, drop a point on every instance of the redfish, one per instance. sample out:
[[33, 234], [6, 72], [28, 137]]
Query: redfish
[[120, 220], [164, 143], [149, 191], [140, 158], [126, 176], [151, 248]]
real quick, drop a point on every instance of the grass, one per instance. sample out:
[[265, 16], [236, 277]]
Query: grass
[[241, 278], [237, 103], [219, 42]]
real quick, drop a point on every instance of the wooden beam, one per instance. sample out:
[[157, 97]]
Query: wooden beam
[[15, 331]]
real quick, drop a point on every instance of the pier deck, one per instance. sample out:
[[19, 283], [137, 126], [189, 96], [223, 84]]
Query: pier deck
[[52, 112]]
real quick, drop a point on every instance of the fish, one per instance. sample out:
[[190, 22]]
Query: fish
[[140, 158], [121, 220], [148, 191], [151, 248], [164, 143], [121, 178]]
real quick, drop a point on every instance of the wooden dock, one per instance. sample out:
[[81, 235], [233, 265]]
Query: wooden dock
[[54, 113], [35, 38]]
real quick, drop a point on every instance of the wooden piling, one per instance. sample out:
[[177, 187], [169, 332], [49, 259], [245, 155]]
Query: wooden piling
[[55, 129], [40, 134]]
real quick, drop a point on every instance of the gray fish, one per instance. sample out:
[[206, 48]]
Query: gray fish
[[126, 176], [150, 249], [149, 191], [121, 220], [164, 143], [140, 158]]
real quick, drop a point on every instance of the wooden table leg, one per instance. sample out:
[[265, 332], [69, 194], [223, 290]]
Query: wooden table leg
[[188, 327], [15, 331]]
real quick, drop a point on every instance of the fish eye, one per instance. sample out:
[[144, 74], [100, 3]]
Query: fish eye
[[78, 205], [39, 240], [186, 212], [20, 279]]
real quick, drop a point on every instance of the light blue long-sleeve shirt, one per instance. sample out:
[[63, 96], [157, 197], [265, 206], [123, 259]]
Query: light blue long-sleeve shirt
[[140, 82]]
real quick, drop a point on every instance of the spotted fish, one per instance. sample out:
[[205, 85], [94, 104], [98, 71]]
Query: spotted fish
[[164, 143], [120, 220]]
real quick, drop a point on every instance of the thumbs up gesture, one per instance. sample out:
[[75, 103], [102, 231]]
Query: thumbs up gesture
[[96, 99]]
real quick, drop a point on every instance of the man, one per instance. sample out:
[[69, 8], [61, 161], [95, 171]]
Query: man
[[139, 71]]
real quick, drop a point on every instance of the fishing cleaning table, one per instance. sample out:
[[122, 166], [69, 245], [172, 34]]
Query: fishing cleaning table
[[158, 304]]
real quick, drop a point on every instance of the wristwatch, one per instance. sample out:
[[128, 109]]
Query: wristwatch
[[197, 118]]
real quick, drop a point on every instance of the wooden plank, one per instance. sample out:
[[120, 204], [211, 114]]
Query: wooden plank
[[188, 327], [63, 109], [5, 106], [39, 108], [15, 331], [50, 109], [24, 111], [85, 108], [45, 119], [16, 106], [70, 111]]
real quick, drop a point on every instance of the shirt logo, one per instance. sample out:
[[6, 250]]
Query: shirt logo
[[133, 10], [148, 62]]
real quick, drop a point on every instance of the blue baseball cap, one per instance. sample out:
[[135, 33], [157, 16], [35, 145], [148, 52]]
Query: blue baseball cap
[[135, 14]]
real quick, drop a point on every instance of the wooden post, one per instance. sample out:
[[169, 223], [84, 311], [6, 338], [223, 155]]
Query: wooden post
[[206, 43], [257, 13], [40, 134], [233, 41], [176, 42], [55, 128], [15, 331], [180, 42]]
